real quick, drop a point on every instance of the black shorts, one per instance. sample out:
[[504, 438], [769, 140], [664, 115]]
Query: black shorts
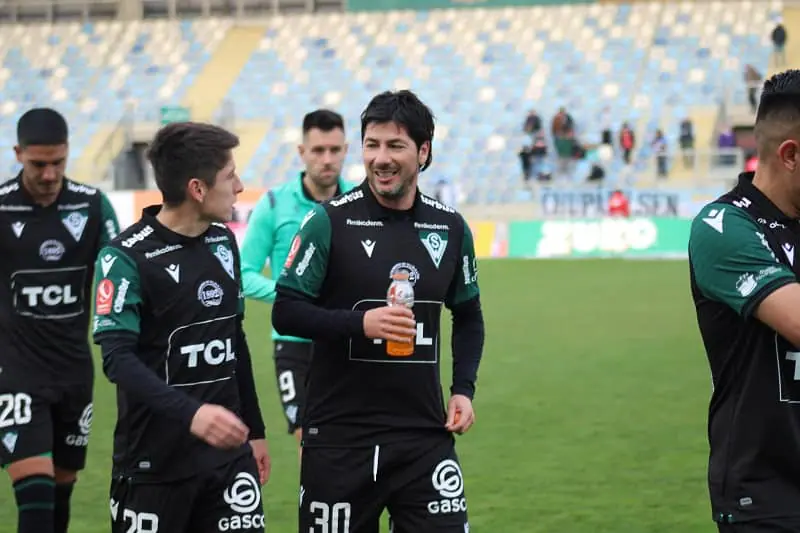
[[291, 369], [419, 483], [773, 525], [43, 420], [226, 499]]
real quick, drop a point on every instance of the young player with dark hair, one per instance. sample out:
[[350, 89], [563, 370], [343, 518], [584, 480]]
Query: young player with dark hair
[[376, 433], [168, 317], [744, 266], [272, 226], [51, 229]]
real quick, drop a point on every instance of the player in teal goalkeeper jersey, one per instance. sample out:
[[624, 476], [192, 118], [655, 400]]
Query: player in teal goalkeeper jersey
[[270, 232]]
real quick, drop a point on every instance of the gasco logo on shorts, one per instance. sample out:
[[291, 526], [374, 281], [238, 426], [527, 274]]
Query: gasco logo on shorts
[[449, 483], [104, 297], [84, 427], [244, 499]]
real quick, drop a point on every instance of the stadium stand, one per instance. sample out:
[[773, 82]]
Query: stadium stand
[[479, 69]]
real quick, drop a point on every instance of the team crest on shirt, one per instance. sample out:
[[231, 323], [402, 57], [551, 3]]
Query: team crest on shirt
[[75, 222], [435, 242], [225, 256]]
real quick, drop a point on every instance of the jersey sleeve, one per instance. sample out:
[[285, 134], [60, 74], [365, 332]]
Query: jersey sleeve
[[118, 295], [731, 259], [307, 263], [257, 246], [110, 222], [464, 285]]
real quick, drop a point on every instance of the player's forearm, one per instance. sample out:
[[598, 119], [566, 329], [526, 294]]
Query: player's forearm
[[294, 315], [248, 397], [127, 371], [257, 286], [467, 345]]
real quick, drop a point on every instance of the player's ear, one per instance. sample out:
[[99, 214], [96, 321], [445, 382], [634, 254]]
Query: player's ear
[[18, 152], [196, 190], [424, 151], [301, 150], [789, 155]]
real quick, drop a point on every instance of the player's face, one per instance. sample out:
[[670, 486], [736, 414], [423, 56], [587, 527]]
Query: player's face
[[43, 170], [391, 159], [217, 202], [323, 154]]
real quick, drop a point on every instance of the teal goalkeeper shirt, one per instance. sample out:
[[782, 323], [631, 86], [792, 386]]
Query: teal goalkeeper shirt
[[273, 224]]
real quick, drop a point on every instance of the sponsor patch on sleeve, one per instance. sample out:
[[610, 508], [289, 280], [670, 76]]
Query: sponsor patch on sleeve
[[104, 297]]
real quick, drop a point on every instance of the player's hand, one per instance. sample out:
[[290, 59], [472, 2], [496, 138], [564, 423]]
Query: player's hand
[[460, 415], [391, 323], [219, 427], [261, 454]]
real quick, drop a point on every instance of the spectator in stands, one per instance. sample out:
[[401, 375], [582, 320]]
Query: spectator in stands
[[563, 125], [779, 37], [726, 141], [659, 146], [686, 140], [563, 129], [533, 124], [618, 205], [533, 158], [627, 141], [752, 80], [605, 126]]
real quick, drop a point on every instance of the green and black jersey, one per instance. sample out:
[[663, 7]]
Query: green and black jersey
[[342, 260], [179, 298], [741, 249], [48, 255]]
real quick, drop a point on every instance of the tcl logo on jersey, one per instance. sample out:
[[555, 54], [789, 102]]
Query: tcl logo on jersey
[[139, 236], [51, 294], [202, 352], [426, 340], [214, 352], [104, 297]]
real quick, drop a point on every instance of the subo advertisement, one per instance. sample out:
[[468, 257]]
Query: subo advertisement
[[601, 237]]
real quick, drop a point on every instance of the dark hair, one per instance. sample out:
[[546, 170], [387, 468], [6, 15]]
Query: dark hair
[[406, 110], [41, 126], [778, 110], [322, 119], [184, 150]]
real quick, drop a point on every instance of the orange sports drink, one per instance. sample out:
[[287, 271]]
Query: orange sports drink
[[401, 292]]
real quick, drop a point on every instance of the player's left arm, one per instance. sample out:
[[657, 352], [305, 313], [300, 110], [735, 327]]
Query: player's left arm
[[109, 222], [463, 300]]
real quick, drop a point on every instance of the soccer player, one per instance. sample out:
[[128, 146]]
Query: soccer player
[[168, 317], [51, 229], [744, 262], [376, 434], [273, 224]]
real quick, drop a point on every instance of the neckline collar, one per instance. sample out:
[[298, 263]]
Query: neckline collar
[[763, 203], [380, 212]]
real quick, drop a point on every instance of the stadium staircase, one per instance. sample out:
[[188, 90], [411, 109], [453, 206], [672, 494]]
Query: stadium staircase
[[791, 19], [215, 80]]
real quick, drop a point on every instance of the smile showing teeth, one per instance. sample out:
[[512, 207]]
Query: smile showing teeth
[[385, 173]]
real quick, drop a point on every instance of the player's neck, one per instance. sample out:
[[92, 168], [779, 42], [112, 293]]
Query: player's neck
[[183, 220], [320, 194], [44, 200], [776, 190]]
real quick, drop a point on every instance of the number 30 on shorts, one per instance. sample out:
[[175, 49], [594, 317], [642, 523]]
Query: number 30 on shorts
[[15, 409], [330, 519]]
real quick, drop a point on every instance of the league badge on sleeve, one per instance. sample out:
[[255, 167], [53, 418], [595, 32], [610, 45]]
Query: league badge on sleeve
[[104, 297]]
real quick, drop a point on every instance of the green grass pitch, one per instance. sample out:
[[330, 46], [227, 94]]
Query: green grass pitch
[[591, 407]]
